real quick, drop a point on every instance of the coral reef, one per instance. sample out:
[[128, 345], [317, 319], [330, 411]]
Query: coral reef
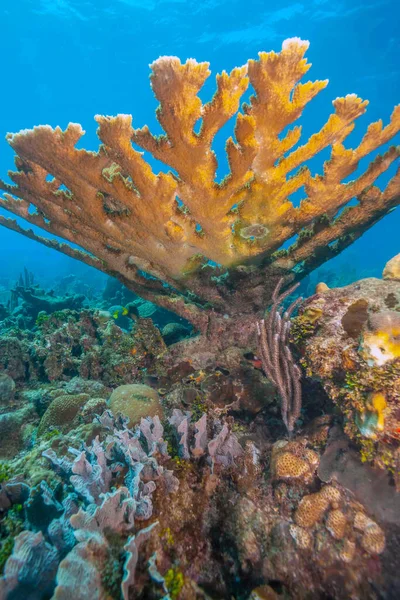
[[81, 538], [30, 304], [137, 466], [86, 343], [200, 248], [115, 520]]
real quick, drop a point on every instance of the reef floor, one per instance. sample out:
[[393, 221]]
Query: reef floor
[[131, 468]]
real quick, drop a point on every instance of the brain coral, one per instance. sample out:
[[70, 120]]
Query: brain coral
[[135, 401], [62, 412]]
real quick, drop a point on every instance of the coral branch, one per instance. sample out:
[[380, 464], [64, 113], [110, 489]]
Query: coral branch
[[131, 220]]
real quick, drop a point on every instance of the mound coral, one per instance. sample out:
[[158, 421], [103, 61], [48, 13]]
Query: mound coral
[[183, 240], [392, 269], [135, 401], [292, 461], [312, 508], [62, 412]]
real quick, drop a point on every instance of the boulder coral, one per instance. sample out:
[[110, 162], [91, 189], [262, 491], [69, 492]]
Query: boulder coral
[[62, 412], [135, 401], [392, 269]]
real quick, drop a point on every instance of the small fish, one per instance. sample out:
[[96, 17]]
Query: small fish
[[254, 360], [257, 363], [125, 311], [115, 314]]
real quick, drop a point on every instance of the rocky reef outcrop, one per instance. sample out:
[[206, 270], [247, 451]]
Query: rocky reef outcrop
[[349, 340]]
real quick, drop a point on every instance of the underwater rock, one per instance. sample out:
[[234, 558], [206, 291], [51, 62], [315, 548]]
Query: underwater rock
[[7, 389], [93, 388], [40, 397], [340, 462], [392, 269], [31, 569], [353, 349], [37, 301], [12, 428], [70, 344], [14, 359], [135, 401], [174, 332], [355, 317]]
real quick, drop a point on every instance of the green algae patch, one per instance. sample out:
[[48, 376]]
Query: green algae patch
[[174, 582]]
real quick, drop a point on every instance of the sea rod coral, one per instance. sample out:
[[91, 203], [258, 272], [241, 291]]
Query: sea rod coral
[[276, 357], [205, 249]]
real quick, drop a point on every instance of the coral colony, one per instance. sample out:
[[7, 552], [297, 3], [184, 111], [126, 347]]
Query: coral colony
[[169, 226], [200, 431]]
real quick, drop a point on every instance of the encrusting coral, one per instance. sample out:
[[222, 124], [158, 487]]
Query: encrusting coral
[[184, 229]]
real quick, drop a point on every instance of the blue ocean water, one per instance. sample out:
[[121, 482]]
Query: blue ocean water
[[67, 60]]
